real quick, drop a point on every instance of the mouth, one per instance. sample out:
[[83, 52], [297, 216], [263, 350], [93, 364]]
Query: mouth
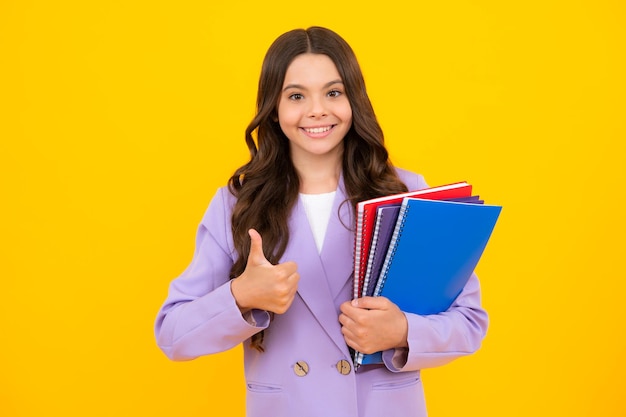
[[321, 130]]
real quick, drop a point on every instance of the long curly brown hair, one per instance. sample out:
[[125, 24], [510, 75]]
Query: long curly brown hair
[[267, 186]]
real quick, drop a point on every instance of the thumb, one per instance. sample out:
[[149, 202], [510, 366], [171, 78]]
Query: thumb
[[369, 303], [256, 256]]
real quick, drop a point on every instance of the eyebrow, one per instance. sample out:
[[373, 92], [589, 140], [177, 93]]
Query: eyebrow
[[301, 87]]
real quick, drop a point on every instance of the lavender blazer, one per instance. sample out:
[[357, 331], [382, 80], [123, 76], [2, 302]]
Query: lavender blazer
[[306, 367]]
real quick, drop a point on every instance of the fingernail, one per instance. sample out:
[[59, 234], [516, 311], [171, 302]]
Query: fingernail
[[355, 302]]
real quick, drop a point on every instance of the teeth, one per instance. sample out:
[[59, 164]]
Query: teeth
[[318, 129]]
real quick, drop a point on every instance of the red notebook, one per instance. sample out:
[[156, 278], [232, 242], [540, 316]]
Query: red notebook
[[366, 217]]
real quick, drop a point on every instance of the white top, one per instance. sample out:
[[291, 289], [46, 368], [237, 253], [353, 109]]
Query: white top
[[318, 208]]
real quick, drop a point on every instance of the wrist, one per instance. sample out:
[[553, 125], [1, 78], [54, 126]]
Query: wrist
[[403, 341], [238, 295]]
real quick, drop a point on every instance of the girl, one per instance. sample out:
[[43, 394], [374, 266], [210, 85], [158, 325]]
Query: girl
[[273, 261]]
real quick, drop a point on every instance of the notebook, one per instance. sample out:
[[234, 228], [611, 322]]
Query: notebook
[[366, 216], [434, 249], [386, 217]]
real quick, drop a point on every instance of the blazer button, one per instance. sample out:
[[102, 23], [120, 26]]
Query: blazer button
[[301, 368], [343, 366]]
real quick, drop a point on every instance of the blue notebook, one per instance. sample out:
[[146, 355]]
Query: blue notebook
[[434, 249], [386, 217]]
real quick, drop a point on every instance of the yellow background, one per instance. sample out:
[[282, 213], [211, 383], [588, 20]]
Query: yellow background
[[118, 120]]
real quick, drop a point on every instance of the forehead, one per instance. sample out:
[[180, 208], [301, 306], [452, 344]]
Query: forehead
[[311, 68]]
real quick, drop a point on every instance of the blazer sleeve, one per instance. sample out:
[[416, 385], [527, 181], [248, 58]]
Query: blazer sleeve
[[200, 316], [437, 339]]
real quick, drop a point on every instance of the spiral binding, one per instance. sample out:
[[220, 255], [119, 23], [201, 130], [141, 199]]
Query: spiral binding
[[370, 259], [358, 253], [393, 247]]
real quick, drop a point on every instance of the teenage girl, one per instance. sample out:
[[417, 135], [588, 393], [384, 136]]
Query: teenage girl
[[273, 263]]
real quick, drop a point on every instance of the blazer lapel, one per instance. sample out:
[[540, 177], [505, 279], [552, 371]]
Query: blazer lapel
[[338, 250], [318, 289]]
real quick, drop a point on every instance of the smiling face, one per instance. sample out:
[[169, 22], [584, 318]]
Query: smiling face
[[313, 110]]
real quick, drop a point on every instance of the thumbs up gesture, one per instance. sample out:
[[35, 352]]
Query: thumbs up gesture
[[262, 285]]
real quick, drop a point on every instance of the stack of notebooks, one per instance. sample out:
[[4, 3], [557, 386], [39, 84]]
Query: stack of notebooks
[[419, 248]]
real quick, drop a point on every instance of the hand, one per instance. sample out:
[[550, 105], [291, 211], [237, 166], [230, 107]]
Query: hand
[[372, 324], [262, 285]]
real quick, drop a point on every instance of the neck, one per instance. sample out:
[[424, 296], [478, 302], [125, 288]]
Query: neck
[[317, 177]]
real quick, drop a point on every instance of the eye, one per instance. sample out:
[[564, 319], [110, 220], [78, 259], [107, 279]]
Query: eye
[[296, 96], [334, 93]]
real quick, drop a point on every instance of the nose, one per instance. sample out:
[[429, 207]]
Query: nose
[[317, 107]]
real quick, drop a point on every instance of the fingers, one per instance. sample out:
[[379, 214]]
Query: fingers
[[355, 334], [289, 269], [284, 294], [370, 324], [256, 256]]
